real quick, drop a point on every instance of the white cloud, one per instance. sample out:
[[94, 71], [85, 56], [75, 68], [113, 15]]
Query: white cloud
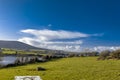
[[30, 40], [54, 39], [52, 34], [103, 48], [101, 34], [55, 45]]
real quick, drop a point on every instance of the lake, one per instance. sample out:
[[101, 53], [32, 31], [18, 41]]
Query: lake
[[7, 60]]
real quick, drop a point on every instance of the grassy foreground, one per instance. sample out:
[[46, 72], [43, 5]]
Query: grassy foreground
[[86, 68]]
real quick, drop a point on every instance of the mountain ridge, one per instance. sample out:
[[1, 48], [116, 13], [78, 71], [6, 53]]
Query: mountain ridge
[[17, 45]]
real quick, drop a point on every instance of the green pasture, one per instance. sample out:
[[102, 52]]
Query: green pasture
[[76, 68]]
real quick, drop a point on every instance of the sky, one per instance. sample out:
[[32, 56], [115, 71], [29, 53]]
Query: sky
[[72, 25]]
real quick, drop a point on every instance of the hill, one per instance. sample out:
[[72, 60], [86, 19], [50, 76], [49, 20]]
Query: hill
[[16, 45]]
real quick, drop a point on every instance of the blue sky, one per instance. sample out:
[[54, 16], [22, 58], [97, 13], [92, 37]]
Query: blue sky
[[99, 19]]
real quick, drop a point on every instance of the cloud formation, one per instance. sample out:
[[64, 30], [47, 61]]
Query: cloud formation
[[55, 39], [45, 35], [103, 48]]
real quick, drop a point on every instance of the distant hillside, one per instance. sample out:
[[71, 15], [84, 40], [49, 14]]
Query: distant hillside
[[16, 45]]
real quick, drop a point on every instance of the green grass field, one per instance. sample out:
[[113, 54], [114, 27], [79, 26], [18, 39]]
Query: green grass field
[[13, 51], [85, 68]]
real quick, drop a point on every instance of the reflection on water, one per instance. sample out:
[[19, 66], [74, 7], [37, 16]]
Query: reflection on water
[[7, 60]]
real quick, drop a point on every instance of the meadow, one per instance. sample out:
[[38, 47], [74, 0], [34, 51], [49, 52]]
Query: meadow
[[14, 51], [76, 68]]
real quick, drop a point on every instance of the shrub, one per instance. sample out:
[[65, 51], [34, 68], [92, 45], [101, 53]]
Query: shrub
[[104, 54], [40, 69], [116, 54]]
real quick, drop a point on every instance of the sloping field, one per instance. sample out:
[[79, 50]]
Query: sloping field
[[86, 68]]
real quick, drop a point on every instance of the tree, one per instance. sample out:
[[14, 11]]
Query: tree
[[116, 54], [104, 54]]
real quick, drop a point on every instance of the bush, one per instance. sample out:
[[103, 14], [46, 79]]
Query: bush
[[40, 69], [116, 54], [104, 54]]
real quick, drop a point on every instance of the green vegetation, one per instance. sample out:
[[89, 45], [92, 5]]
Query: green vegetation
[[104, 55], [109, 55], [76, 68], [14, 51]]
